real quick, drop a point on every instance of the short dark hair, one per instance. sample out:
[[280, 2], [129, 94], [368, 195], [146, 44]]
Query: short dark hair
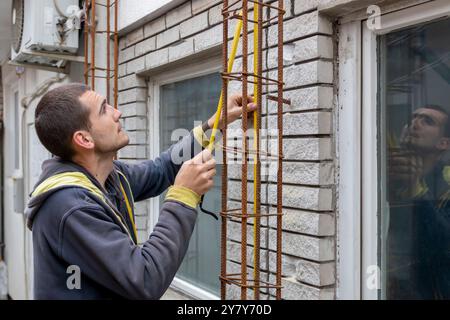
[[444, 111], [59, 114]]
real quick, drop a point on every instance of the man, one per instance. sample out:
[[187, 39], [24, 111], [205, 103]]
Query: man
[[81, 210], [418, 259]]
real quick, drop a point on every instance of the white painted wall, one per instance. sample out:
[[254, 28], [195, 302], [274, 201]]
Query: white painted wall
[[133, 10]]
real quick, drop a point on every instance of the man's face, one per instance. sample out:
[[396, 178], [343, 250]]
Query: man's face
[[106, 129], [427, 129]]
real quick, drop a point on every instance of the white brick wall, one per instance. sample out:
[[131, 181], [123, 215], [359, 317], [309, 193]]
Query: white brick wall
[[301, 6], [155, 26], [185, 48], [157, 58], [200, 5], [168, 36], [308, 249], [177, 15], [145, 46], [194, 25], [308, 221]]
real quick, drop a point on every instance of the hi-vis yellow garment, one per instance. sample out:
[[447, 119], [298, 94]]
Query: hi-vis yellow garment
[[67, 179], [79, 179]]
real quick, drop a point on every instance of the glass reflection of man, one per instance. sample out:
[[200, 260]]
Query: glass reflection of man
[[418, 257]]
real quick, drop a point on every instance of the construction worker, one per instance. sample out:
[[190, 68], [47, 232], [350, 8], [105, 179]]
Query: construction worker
[[81, 209], [418, 241]]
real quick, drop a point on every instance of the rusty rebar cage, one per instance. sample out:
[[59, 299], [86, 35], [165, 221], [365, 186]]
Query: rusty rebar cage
[[90, 32], [240, 10]]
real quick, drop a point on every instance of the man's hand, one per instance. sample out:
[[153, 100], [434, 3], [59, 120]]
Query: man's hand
[[234, 110], [405, 171], [197, 174], [405, 166]]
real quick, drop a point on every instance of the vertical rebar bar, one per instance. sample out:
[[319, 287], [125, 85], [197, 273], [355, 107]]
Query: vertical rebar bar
[[93, 27], [86, 44], [223, 239], [108, 44], [280, 147], [116, 53], [258, 55], [244, 147]]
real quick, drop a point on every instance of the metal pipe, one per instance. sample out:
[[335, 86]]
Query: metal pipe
[[93, 27], [116, 54], [108, 53], [86, 43]]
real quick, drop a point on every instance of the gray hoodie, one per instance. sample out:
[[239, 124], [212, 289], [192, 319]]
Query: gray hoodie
[[73, 227]]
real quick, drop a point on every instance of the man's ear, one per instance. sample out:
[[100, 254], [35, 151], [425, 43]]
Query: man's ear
[[444, 144], [83, 140]]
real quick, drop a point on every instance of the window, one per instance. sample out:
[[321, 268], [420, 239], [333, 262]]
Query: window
[[182, 104], [414, 102], [394, 100]]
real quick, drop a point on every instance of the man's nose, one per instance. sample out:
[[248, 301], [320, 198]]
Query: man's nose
[[415, 123], [117, 114]]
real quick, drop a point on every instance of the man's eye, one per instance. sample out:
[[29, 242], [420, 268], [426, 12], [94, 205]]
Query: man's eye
[[429, 121]]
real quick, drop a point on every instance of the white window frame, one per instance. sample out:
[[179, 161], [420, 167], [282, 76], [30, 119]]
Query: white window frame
[[358, 203], [206, 67]]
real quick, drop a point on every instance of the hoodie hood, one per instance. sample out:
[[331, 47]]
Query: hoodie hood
[[50, 168]]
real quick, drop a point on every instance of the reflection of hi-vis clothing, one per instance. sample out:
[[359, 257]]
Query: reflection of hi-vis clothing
[[419, 240], [77, 222]]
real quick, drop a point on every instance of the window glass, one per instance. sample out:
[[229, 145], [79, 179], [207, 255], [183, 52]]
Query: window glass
[[181, 104], [414, 103]]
